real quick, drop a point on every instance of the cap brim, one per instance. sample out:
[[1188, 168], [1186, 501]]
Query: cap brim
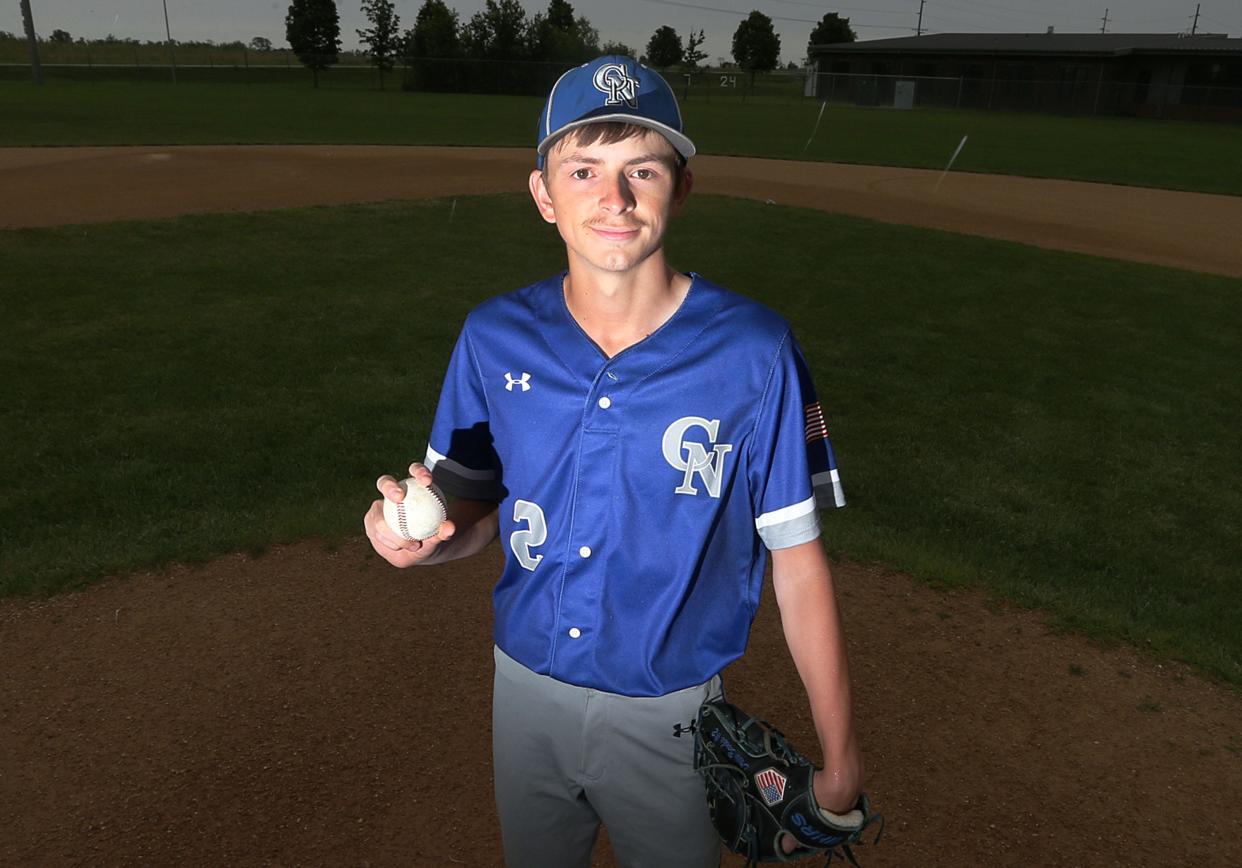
[[680, 143]]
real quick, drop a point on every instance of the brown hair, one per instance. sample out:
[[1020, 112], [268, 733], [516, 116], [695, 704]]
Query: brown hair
[[609, 133]]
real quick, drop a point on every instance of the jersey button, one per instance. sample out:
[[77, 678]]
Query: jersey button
[[605, 402], [585, 551], [574, 632]]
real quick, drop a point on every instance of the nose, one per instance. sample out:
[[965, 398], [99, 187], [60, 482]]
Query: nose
[[616, 196]]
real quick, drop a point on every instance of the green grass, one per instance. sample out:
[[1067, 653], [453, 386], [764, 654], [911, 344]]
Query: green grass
[[1057, 429], [1176, 155], [1173, 155], [120, 113]]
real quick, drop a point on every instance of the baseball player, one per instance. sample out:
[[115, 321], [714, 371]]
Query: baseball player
[[638, 438]]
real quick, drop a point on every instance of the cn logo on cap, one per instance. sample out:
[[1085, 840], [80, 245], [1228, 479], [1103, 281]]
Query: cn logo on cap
[[613, 80], [608, 89]]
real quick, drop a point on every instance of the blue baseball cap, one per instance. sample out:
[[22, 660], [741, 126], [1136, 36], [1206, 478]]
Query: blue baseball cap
[[611, 88]]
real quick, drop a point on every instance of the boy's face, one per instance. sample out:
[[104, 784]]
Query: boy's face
[[611, 202]]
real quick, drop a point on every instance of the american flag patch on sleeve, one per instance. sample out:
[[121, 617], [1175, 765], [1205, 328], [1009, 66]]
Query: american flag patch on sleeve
[[816, 427]]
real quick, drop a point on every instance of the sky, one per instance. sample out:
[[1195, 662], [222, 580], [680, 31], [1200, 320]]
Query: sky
[[633, 21]]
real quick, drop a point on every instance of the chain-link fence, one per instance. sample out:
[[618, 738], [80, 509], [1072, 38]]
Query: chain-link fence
[[237, 64], [1075, 97], [460, 75], [130, 52], [129, 60], [346, 77]]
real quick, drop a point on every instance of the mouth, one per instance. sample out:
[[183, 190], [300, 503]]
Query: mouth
[[615, 233]]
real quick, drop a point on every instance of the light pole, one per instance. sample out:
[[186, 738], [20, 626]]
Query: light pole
[[36, 68], [172, 57]]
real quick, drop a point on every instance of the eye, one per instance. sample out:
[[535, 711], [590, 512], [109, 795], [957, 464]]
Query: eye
[[644, 174], [581, 174]]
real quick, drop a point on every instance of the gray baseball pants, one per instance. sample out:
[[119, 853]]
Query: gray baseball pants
[[567, 758]]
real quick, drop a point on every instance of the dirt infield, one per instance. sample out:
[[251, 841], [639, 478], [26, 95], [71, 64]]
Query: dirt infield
[[316, 707], [49, 186]]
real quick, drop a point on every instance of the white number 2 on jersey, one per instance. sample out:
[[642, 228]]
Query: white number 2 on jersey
[[534, 535]]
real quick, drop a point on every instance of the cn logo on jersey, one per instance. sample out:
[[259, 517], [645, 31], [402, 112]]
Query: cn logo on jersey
[[690, 457], [522, 382], [771, 785], [613, 80]]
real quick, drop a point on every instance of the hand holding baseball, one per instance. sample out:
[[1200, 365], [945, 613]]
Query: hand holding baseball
[[395, 538]]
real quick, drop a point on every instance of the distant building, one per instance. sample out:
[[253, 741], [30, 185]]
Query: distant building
[[1151, 75]]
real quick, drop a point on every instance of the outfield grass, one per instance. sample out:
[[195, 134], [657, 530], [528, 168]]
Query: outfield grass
[[1176, 155], [1059, 429]]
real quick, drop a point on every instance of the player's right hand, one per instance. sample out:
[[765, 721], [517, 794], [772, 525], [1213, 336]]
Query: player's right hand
[[388, 545]]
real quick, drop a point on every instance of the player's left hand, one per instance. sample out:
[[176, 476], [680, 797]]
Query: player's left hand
[[837, 788]]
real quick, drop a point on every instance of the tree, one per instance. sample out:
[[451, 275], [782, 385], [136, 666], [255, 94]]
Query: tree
[[430, 45], [434, 33], [588, 37], [558, 36], [560, 14], [618, 48], [832, 28], [693, 53], [260, 43], [383, 37], [61, 36], [313, 29], [756, 45], [496, 32], [664, 48]]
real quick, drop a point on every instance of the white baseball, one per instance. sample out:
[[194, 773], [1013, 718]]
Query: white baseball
[[419, 514]]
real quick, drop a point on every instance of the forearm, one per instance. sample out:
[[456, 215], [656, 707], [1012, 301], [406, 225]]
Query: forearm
[[477, 523], [813, 631]]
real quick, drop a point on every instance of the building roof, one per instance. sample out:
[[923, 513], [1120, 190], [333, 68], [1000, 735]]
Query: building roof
[[1097, 44]]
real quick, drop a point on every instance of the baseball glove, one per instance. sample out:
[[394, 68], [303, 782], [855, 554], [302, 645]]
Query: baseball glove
[[759, 791]]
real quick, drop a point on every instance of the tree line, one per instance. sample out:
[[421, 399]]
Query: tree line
[[502, 31]]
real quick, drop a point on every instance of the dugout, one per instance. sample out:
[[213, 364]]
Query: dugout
[[1147, 75]]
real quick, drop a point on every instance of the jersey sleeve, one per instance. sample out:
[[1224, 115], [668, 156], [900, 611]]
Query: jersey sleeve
[[460, 455], [793, 471]]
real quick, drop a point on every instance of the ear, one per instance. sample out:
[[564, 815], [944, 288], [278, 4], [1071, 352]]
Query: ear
[[543, 199], [683, 189]]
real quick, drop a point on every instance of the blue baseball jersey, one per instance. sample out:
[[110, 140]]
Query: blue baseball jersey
[[638, 493]]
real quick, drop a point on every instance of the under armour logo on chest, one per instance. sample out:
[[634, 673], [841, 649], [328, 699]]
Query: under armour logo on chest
[[523, 381]]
